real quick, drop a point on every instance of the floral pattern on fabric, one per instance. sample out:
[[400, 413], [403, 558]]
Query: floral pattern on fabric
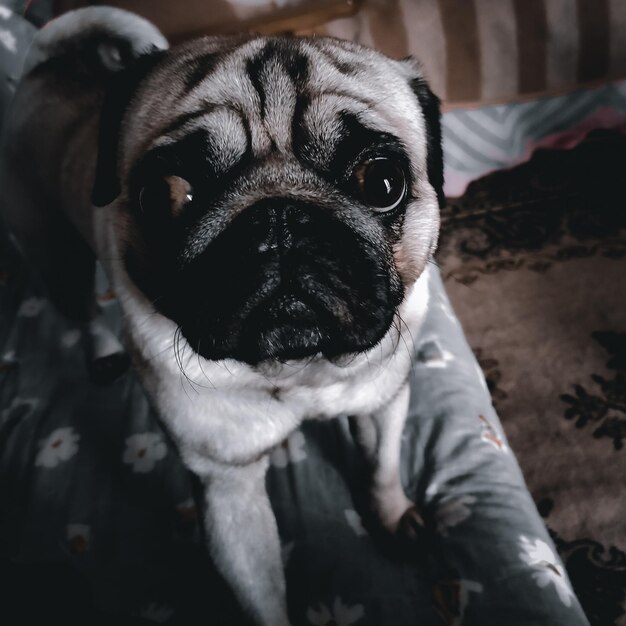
[[31, 307], [292, 450], [70, 338], [491, 436], [20, 408], [143, 450], [547, 568], [431, 354], [451, 596], [59, 446]]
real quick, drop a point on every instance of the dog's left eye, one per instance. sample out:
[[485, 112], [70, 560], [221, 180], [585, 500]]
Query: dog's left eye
[[381, 184], [169, 194]]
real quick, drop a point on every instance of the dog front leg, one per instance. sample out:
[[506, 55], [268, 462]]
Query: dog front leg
[[379, 436], [243, 539]]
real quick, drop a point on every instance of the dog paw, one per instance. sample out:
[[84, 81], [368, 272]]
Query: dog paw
[[411, 527], [106, 369]]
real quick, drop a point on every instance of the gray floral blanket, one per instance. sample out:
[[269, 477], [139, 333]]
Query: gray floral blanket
[[98, 522]]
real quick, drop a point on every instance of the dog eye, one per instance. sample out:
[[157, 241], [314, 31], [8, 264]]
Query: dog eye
[[169, 194], [381, 183]]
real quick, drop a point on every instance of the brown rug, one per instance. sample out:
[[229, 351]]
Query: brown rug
[[534, 260]]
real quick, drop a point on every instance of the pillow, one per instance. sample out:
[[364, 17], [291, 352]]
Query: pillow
[[225, 16], [474, 51], [481, 140]]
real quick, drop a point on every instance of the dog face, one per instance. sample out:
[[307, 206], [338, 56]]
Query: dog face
[[275, 197]]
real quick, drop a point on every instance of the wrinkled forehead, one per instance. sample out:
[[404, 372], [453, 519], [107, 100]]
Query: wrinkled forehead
[[270, 94]]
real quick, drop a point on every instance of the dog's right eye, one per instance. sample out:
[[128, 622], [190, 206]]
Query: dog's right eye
[[165, 195], [381, 183]]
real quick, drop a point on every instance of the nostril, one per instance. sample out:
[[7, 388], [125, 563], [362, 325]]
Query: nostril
[[298, 216], [278, 225], [295, 219]]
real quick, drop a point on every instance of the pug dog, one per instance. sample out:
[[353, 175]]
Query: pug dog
[[265, 209]]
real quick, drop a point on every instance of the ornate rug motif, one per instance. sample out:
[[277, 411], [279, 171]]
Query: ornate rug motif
[[605, 404]]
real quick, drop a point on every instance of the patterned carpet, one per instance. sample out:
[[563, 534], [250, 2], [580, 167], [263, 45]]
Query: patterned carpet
[[534, 260]]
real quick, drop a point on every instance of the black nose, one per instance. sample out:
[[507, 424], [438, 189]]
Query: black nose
[[281, 223]]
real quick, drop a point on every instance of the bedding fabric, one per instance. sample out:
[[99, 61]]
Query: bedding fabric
[[98, 517]]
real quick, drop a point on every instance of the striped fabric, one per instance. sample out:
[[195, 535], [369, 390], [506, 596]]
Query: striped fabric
[[496, 50], [473, 51]]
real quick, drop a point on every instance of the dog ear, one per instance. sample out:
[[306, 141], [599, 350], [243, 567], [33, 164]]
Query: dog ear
[[430, 105], [122, 86]]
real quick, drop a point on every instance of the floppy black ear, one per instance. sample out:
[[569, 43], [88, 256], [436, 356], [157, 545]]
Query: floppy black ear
[[122, 86], [432, 115]]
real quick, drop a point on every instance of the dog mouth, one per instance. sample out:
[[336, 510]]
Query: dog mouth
[[287, 326]]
